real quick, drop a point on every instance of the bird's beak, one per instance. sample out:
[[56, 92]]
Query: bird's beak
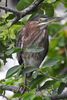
[[46, 21]]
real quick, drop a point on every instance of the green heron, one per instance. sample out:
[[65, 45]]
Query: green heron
[[34, 35]]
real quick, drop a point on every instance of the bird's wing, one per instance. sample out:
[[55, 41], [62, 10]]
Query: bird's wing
[[19, 43]]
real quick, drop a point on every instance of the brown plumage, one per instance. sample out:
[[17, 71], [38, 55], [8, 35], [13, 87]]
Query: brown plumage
[[33, 35]]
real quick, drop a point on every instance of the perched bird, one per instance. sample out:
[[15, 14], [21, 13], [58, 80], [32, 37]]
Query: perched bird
[[34, 43], [33, 40]]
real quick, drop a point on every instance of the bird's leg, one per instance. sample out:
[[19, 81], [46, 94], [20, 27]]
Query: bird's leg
[[26, 82]]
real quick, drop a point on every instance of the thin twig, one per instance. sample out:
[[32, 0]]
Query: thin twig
[[4, 96], [10, 10], [58, 97], [11, 88]]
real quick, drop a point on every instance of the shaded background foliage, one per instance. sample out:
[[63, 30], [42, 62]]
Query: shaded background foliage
[[52, 77]]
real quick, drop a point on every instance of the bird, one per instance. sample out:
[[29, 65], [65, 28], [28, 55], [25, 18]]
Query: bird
[[33, 37]]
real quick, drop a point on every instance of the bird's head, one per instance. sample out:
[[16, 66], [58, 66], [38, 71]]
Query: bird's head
[[45, 21]]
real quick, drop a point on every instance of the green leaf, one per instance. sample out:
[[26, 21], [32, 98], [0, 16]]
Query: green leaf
[[23, 4], [65, 3], [48, 84], [51, 62], [54, 28], [37, 98], [61, 87], [12, 50], [12, 71], [47, 98], [49, 9], [37, 81], [29, 96], [17, 95], [29, 69], [10, 16], [1, 91]]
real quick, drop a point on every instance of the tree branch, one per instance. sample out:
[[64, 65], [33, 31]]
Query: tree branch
[[12, 88], [31, 7], [4, 96], [10, 10], [61, 96], [21, 14], [22, 90], [27, 10]]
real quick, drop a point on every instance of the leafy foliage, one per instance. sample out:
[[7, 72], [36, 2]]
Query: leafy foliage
[[51, 78]]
